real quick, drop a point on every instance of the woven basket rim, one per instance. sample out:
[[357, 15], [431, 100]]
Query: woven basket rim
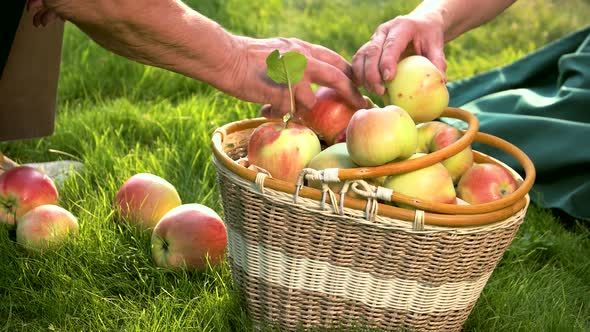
[[382, 220], [434, 213]]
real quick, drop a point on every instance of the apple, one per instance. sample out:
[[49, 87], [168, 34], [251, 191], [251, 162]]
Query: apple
[[23, 188], [283, 149], [334, 156], [485, 182], [144, 198], [419, 88], [330, 115], [435, 135], [45, 227], [189, 236], [377, 136], [432, 183]]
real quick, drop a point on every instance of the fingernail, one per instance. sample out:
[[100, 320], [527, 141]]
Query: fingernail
[[380, 90], [387, 75]]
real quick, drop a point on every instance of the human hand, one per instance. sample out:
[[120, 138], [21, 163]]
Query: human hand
[[376, 61], [248, 80], [43, 15]]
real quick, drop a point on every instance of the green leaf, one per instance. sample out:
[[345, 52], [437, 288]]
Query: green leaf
[[287, 68]]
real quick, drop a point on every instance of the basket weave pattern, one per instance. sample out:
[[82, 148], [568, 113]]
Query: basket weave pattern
[[297, 266]]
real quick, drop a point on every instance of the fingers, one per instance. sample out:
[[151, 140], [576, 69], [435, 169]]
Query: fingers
[[435, 53], [304, 97], [44, 16], [373, 78], [34, 5], [328, 56], [265, 111], [376, 61], [326, 75]]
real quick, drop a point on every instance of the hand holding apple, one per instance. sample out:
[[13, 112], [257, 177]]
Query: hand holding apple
[[189, 236]]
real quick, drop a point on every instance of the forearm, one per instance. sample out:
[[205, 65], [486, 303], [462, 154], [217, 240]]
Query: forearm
[[163, 33], [460, 16]]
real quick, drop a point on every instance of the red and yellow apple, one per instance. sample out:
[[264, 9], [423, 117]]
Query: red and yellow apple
[[283, 149], [329, 116], [144, 198], [435, 135], [45, 227], [23, 188], [378, 136], [419, 88], [189, 236], [485, 182], [432, 183]]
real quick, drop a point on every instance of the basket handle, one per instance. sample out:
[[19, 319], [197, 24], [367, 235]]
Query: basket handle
[[468, 215], [523, 188]]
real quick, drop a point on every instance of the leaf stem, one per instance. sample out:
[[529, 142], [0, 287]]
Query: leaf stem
[[290, 115]]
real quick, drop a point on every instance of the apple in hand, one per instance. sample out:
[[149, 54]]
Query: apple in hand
[[189, 236], [23, 188], [144, 198], [283, 149], [419, 88], [378, 136], [435, 135], [485, 182], [45, 228], [432, 183]]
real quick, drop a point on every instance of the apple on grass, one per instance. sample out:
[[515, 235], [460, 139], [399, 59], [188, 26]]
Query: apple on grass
[[432, 183], [144, 198], [23, 188], [419, 88], [485, 182], [189, 236], [435, 135], [283, 148], [378, 136], [45, 228]]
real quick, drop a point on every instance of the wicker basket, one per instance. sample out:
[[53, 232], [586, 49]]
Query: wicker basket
[[299, 264]]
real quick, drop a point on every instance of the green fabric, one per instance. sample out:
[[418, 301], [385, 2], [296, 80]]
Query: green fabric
[[540, 103], [9, 18]]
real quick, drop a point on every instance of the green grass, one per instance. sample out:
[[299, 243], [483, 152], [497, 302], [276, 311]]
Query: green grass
[[121, 118]]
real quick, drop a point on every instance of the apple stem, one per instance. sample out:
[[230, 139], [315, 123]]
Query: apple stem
[[289, 115]]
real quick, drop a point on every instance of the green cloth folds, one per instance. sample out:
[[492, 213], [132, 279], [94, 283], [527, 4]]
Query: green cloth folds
[[541, 104]]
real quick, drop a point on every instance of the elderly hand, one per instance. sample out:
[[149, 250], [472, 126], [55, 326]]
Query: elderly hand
[[376, 61], [248, 79], [43, 15]]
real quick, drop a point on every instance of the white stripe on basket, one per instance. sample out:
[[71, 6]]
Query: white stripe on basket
[[320, 277]]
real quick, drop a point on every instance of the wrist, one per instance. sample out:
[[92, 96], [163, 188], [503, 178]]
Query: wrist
[[436, 13]]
